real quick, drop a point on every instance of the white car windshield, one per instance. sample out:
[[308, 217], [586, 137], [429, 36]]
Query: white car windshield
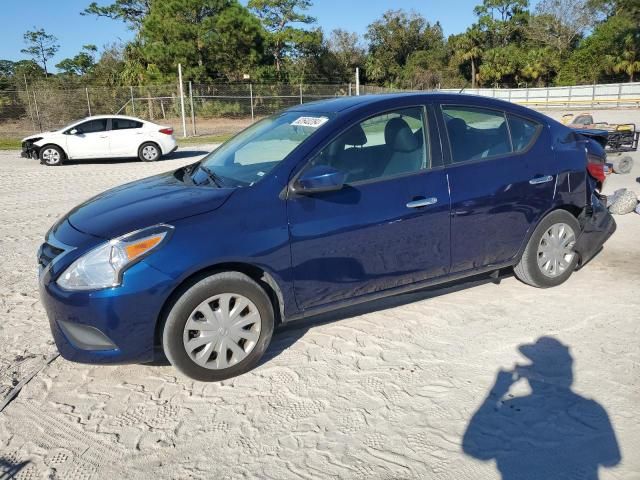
[[254, 152], [75, 122]]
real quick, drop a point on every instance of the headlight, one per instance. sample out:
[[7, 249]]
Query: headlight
[[102, 267]]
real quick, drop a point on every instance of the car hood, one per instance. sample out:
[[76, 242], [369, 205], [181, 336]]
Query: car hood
[[38, 135], [159, 199]]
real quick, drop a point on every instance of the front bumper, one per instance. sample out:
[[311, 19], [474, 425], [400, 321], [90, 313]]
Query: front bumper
[[110, 326], [29, 150], [597, 226]]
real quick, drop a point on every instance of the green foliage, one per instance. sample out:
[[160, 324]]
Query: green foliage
[[282, 38], [132, 12], [40, 46], [210, 38], [609, 53], [217, 108], [80, 64], [394, 38]]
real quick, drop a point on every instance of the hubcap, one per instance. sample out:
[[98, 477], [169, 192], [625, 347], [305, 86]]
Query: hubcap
[[149, 152], [222, 331], [555, 251], [51, 156]]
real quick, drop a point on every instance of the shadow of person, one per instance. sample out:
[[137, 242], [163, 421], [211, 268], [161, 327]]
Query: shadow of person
[[552, 433]]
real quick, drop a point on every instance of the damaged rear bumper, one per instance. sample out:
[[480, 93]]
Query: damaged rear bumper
[[597, 226]]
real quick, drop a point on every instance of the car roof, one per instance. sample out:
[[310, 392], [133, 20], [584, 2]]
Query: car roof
[[341, 105], [124, 117]]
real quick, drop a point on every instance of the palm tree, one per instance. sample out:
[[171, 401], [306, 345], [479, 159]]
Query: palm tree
[[628, 61], [471, 51]]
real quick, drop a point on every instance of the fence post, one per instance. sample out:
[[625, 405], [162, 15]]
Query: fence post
[[300, 94], [86, 90], [184, 120], [26, 92], [349, 88], [35, 102], [251, 98], [593, 95], [547, 96], [619, 93], [570, 95], [357, 81], [193, 113], [133, 103]]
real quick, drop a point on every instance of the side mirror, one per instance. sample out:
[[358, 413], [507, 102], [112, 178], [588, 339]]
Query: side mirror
[[74, 131], [319, 178]]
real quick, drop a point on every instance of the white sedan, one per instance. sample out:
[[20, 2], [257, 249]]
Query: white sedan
[[101, 136]]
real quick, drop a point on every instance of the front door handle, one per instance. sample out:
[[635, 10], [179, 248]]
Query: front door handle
[[422, 202], [539, 180]]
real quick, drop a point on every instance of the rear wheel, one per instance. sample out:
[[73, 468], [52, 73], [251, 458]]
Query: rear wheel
[[149, 152], [219, 328], [51, 155], [549, 258]]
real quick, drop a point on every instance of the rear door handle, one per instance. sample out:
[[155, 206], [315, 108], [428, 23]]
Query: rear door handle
[[422, 202], [538, 180]]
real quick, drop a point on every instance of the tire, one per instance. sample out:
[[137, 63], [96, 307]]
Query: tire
[[149, 152], [622, 165], [51, 156], [550, 274], [196, 315]]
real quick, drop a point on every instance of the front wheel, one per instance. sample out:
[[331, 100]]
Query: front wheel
[[219, 327], [149, 152], [549, 258], [51, 156]]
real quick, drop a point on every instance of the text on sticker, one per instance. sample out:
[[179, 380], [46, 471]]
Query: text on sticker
[[313, 122]]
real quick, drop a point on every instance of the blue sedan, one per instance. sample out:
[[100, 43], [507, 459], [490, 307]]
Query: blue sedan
[[318, 207]]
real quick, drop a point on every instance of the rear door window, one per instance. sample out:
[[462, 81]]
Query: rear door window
[[124, 124], [524, 132], [476, 133]]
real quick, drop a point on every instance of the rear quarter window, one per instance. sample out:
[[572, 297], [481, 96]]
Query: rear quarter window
[[524, 132]]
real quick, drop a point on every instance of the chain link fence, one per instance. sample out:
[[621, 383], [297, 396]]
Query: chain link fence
[[209, 109], [220, 109]]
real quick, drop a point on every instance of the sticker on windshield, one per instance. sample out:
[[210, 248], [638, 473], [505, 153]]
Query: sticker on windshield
[[313, 122]]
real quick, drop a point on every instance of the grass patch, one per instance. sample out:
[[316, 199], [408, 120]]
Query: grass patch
[[8, 143], [203, 139]]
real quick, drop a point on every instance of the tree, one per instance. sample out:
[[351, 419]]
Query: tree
[[559, 24], [393, 38], [80, 64], [208, 37], [278, 17], [132, 12], [40, 46], [467, 47], [502, 20], [347, 49], [627, 61]]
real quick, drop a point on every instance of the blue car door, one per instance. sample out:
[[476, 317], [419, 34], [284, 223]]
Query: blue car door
[[387, 227], [502, 179]]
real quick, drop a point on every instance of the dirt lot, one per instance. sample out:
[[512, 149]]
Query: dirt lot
[[383, 391]]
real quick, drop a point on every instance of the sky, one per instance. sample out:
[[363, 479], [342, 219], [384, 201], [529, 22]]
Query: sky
[[62, 18]]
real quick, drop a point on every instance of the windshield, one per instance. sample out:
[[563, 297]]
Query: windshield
[[75, 122], [250, 155]]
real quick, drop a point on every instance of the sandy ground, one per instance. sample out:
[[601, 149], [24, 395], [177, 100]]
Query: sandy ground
[[383, 391]]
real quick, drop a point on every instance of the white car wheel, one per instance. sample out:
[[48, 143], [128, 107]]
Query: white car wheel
[[149, 152]]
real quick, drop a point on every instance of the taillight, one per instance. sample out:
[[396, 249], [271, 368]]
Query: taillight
[[596, 167], [166, 131]]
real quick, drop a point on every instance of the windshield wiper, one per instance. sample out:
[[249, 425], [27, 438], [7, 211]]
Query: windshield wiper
[[214, 177]]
